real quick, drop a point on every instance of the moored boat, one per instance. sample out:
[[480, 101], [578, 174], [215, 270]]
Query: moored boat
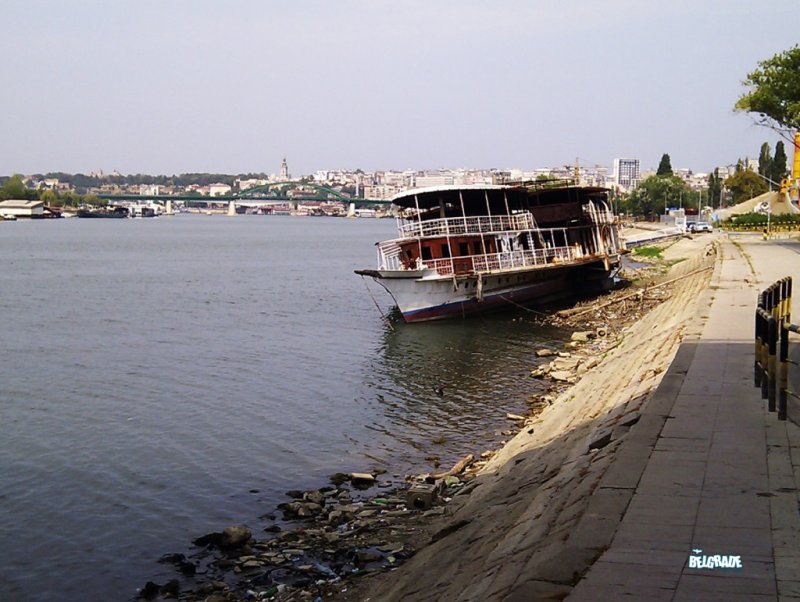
[[111, 212], [467, 249]]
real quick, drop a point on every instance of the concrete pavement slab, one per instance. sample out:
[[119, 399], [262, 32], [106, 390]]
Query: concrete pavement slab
[[722, 476]]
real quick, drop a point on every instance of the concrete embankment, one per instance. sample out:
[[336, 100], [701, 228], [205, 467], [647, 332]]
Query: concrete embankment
[[547, 505]]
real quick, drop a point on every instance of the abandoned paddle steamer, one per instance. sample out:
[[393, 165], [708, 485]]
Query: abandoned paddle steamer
[[468, 249]]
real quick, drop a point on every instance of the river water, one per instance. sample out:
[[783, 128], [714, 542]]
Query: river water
[[164, 378]]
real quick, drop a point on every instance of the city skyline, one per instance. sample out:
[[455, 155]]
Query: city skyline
[[143, 87]]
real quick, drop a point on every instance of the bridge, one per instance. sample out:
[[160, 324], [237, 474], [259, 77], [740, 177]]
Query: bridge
[[270, 193]]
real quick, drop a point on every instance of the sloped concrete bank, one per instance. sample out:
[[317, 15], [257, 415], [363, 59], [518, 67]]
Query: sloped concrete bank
[[545, 507]]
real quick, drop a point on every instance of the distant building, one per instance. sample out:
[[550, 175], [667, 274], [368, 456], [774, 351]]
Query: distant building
[[626, 173], [284, 176], [22, 208], [438, 180], [251, 183], [219, 190]]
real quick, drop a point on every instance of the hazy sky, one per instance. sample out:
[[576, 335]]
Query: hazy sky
[[163, 87]]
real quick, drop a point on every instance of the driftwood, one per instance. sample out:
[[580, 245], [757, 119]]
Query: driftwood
[[571, 313], [457, 469]]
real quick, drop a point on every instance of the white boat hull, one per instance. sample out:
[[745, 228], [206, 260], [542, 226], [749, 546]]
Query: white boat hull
[[422, 295]]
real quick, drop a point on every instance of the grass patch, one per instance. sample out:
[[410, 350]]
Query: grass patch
[[651, 252]]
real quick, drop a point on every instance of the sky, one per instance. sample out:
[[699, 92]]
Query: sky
[[234, 86]]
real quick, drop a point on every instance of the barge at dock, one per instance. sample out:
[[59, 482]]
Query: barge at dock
[[467, 249]]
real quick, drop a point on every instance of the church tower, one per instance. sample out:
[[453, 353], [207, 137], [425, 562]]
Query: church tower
[[284, 177]]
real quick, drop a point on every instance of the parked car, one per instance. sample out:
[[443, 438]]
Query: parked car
[[701, 227]]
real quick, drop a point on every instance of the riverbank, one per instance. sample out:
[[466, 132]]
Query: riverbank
[[521, 504], [535, 519]]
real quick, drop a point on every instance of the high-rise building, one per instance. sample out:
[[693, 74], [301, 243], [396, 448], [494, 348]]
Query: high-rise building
[[626, 173]]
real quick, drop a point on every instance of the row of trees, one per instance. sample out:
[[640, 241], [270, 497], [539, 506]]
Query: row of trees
[[14, 188], [664, 190], [82, 182]]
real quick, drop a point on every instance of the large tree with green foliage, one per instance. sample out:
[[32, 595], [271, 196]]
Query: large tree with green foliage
[[654, 194], [665, 166], [774, 92], [745, 184], [14, 188]]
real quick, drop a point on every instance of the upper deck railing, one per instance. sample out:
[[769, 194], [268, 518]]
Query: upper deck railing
[[451, 226]]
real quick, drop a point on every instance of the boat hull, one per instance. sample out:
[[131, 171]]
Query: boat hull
[[423, 296]]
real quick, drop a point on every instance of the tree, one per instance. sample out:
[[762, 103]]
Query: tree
[[654, 194], [664, 167], [778, 171], [14, 188], [50, 198], [714, 187], [765, 161], [745, 184], [774, 92]]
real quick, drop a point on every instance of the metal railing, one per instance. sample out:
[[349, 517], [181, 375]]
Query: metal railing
[[490, 262], [452, 226], [772, 326]]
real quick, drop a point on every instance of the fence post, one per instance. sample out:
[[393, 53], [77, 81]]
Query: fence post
[[784, 374], [764, 354], [788, 299], [772, 362], [757, 371]]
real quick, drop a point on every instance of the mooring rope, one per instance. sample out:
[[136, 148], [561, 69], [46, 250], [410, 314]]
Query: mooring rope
[[533, 311], [380, 311]]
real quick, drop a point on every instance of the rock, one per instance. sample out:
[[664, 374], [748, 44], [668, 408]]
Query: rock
[[339, 478], [252, 564], [295, 494], [582, 337], [234, 536], [561, 375], [302, 509], [149, 591], [331, 537], [362, 480], [368, 555], [545, 353], [564, 354], [171, 588], [210, 539], [600, 439], [317, 497], [515, 417]]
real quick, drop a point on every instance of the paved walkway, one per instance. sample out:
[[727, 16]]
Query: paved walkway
[[723, 476]]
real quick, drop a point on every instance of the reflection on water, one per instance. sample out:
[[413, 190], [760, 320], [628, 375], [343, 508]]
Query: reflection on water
[[445, 387]]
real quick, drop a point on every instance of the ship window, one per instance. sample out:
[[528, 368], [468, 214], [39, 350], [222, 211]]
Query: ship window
[[426, 253], [445, 250], [476, 246], [463, 248]]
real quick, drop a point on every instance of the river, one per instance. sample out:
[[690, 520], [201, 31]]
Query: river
[[163, 378]]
